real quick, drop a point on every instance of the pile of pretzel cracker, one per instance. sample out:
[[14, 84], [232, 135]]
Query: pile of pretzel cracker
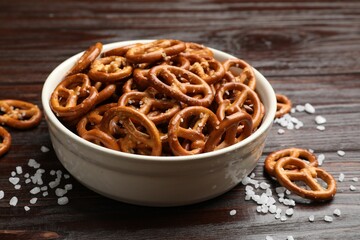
[[162, 98]]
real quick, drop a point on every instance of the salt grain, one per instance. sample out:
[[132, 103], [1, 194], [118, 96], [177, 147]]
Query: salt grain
[[352, 188], [341, 177], [35, 190], [45, 194], [283, 218], [300, 108], [289, 211], [355, 179], [33, 200], [19, 170], [340, 153], [268, 238], [321, 159], [281, 131], [44, 149], [232, 212], [337, 212], [66, 176], [290, 238], [309, 108], [2, 194], [311, 218], [26, 208], [13, 201], [14, 180], [320, 127], [63, 201], [328, 218], [320, 120], [17, 186], [60, 192]]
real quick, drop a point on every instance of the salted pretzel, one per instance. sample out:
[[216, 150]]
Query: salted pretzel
[[298, 153], [101, 138], [181, 85], [73, 97], [226, 133], [86, 59], [5, 141], [233, 97], [306, 174], [283, 105], [155, 50], [105, 91], [197, 49], [189, 130], [207, 68], [246, 74], [157, 110], [120, 51], [141, 135], [110, 69], [19, 114]]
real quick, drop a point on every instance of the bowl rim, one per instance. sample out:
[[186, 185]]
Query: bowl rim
[[49, 86]]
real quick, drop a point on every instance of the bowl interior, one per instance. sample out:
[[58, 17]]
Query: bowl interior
[[263, 88]]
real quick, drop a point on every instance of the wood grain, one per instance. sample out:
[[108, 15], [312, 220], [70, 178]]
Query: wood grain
[[308, 50]]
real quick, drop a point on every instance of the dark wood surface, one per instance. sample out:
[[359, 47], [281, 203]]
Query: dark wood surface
[[308, 50]]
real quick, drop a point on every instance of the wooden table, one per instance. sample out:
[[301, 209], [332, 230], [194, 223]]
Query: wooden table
[[309, 51]]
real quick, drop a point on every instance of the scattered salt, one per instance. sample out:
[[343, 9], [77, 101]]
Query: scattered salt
[[320, 127], [68, 187], [17, 186], [63, 201], [45, 194], [2, 194], [300, 108], [19, 170], [341, 177], [13, 201], [44, 149], [60, 192], [290, 238], [66, 176], [14, 180], [341, 153], [320, 119], [328, 218], [33, 200], [321, 159], [35, 190], [337, 212], [289, 211], [309, 108], [232, 212], [352, 188], [281, 131], [311, 218], [268, 238], [283, 218], [355, 179], [26, 208]]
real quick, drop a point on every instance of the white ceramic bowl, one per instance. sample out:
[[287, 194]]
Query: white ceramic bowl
[[156, 181]]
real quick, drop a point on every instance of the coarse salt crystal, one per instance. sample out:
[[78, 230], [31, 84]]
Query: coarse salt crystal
[[45, 194], [27, 180], [337, 212], [44, 149], [26, 175], [13, 201], [300, 108], [289, 211], [52, 172], [14, 180], [2, 194], [272, 208], [17, 186], [66, 176], [289, 238], [328, 218], [320, 127], [281, 131], [321, 159], [341, 153], [33, 200], [311, 218], [355, 179], [264, 185], [60, 192], [63, 200], [35, 190], [268, 238], [283, 218], [341, 177], [352, 188], [19, 170], [320, 119], [232, 212], [26, 208], [309, 108]]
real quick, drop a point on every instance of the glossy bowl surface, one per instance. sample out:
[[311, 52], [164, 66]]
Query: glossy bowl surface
[[156, 181]]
